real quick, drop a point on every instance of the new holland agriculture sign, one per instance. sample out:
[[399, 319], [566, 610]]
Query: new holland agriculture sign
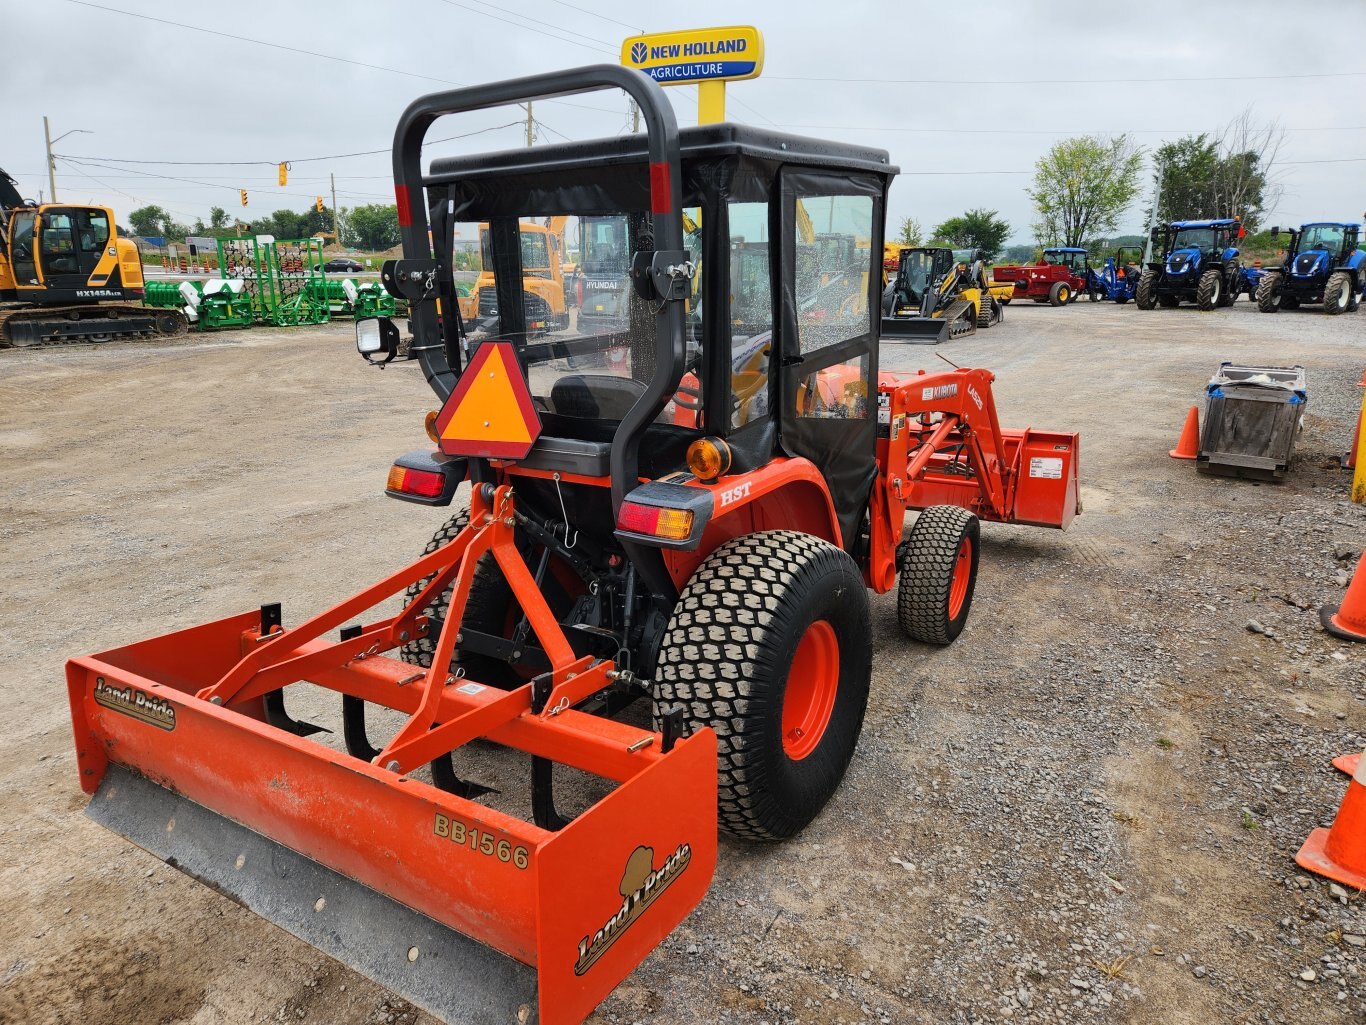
[[698, 55]]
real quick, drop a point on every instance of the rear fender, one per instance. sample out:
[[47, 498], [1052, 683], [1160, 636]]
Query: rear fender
[[786, 494]]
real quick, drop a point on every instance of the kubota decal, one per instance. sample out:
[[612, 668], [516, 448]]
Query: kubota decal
[[135, 704], [641, 884], [939, 391]]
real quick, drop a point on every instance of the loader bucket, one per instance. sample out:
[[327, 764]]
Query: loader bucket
[[468, 911], [915, 330]]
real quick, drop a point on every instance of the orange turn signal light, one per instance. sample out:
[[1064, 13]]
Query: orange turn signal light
[[709, 458], [429, 424], [671, 524]]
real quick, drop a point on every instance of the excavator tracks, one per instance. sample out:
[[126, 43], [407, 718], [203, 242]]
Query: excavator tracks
[[25, 326]]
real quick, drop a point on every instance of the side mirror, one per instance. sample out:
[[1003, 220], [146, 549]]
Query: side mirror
[[377, 336]]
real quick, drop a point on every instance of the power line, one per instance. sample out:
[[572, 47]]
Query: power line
[[308, 53], [595, 14], [1060, 81], [207, 185], [595, 45], [294, 160]]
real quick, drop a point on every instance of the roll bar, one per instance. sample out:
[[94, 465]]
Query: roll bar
[[666, 201]]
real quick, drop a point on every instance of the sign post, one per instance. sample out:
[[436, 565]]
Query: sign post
[[705, 57]]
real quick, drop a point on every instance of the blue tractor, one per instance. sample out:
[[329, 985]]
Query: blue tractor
[[1117, 280], [1322, 265], [1197, 261]]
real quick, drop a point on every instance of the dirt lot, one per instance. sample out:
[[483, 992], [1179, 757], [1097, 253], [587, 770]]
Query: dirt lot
[[1083, 811]]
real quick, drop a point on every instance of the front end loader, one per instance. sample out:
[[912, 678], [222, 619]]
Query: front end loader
[[648, 613], [935, 296]]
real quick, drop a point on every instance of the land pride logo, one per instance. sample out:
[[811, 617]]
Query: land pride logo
[[641, 884], [136, 704]]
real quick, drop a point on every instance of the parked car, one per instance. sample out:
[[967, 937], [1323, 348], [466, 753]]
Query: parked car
[[343, 264]]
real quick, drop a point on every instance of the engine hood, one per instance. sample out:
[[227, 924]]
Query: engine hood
[[1306, 265], [1183, 261]]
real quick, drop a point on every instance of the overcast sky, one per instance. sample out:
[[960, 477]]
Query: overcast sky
[[155, 92]]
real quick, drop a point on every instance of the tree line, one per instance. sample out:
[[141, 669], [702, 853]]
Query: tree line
[[373, 227], [1083, 186]]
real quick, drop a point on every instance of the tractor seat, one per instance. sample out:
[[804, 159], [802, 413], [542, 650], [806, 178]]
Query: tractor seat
[[569, 455], [595, 396]]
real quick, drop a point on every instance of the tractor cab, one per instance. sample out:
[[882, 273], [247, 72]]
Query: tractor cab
[[919, 271], [619, 396], [1071, 257]]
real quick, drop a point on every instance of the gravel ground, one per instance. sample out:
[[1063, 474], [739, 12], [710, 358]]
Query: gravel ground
[[1085, 810]]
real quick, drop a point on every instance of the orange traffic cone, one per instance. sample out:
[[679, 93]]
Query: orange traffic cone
[[1340, 852], [1348, 620], [1189, 445], [1346, 764]]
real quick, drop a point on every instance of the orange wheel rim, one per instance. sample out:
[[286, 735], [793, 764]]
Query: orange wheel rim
[[962, 574], [812, 683]]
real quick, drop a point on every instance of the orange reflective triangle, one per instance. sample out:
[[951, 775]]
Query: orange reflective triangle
[[490, 413]]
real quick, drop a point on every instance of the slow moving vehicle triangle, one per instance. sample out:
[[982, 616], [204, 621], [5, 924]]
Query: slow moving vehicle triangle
[[490, 413]]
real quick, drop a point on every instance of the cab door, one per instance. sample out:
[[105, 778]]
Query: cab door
[[828, 331], [23, 248]]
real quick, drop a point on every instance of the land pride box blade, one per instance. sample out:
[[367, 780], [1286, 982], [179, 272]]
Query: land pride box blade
[[411, 884]]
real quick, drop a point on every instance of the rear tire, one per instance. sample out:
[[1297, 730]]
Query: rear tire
[[1337, 294], [1060, 294], [1146, 293], [938, 574], [1269, 293], [1209, 293], [770, 645]]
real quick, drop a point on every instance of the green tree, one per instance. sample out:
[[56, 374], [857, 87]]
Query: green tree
[[1225, 174], [975, 229], [1082, 186], [218, 217], [911, 232], [371, 227], [149, 220]]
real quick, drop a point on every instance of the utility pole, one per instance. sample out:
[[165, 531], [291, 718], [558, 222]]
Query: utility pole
[[635, 118], [336, 223], [1152, 219], [51, 164], [530, 126]]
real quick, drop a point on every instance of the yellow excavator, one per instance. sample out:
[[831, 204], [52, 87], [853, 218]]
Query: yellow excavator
[[941, 293], [543, 279], [66, 276]]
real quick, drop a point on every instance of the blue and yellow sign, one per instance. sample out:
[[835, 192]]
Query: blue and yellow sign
[[697, 55]]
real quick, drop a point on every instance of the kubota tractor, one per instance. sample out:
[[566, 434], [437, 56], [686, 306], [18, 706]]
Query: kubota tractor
[[1322, 265], [695, 528], [1196, 261]]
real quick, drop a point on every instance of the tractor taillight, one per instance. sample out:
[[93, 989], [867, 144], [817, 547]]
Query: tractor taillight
[[656, 521], [415, 482]]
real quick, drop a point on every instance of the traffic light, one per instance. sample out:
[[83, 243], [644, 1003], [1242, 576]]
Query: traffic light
[[284, 172], [244, 197], [319, 204]]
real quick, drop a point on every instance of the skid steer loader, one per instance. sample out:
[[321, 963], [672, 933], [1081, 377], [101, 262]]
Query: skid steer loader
[[939, 294], [695, 526]]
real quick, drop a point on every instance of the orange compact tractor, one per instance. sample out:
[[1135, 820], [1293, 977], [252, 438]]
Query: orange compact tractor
[[685, 507]]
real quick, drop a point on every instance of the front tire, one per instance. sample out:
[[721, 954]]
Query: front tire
[[1269, 293], [1209, 293], [1337, 294], [770, 645], [1146, 293], [938, 574], [1059, 294]]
